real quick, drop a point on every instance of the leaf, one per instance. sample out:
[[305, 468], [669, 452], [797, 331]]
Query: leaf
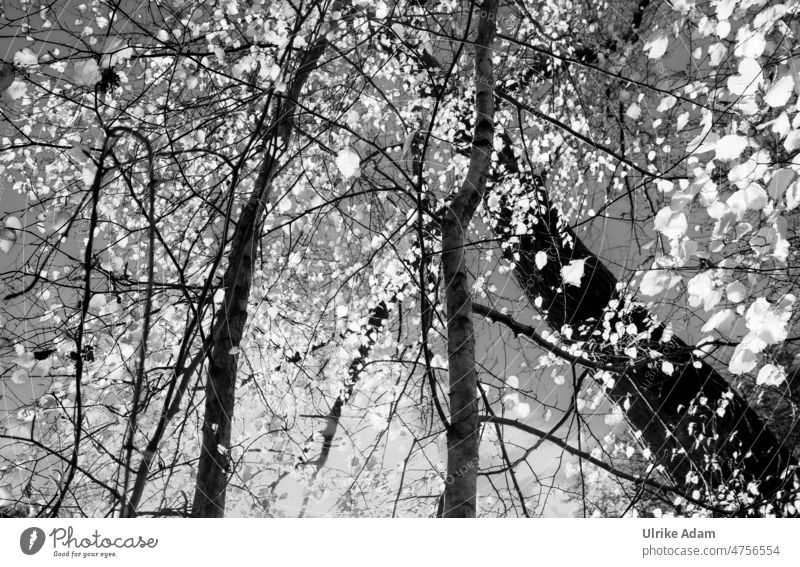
[[749, 43], [25, 58], [656, 45], [87, 73], [748, 80], [793, 195], [615, 417], [780, 182], [540, 259], [19, 376], [5, 495], [736, 292], [8, 235], [725, 8], [768, 321], [716, 54], [771, 375], [743, 360], [780, 91], [348, 162], [573, 272], [666, 103], [16, 90], [730, 147], [672, 224], [792, 141], [523, 410], [7, 240], [703, 291], [13, 223], [97, 302], [720, 321], [655, 282]]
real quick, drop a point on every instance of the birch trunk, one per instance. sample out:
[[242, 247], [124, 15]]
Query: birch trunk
[[462, 436], [213, 468]]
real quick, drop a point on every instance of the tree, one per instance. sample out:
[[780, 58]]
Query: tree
[[246, 245]]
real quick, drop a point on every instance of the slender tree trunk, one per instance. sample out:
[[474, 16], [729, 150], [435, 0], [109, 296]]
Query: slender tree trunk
[[694, 444], [214, 465], [462, 436]]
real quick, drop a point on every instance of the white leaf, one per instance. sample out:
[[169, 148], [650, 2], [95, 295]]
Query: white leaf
[[743, 360], [634, 112], [730, 147], [87, 73], [656, 45], [512, 382], [768, 322], [771, 375], [725, 8], [792, 141], [573, 272], [13, 223], [7, 239], [736, 292], [717, 54], [703, 291], [672, 224], [780, 91], [666, 103], [656, 282], [702, 143], [615, 417], [540, 259], [722, 29], [88, 173], [683, 120], [19, 376], [25, 58], [5, 495], [793, 196], [16, 90], [348, 162], [720, 321], [748, 80], [523, 410], [749, 43], [97, 302]]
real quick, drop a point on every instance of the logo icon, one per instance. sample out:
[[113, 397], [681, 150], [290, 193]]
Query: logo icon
[[31, 541]]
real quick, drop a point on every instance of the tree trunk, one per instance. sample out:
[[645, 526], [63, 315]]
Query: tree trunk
[[689, 439], [701, 430], [213, 468], [462, 435]]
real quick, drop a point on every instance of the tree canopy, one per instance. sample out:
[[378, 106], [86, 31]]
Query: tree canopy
[[399, 258]]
